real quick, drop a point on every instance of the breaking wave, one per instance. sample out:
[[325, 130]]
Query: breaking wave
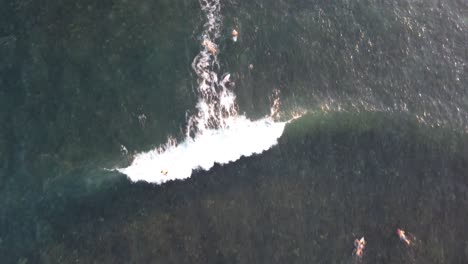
[[217, 133]]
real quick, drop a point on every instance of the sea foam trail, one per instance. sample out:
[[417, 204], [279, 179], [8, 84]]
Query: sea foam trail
[[217, 133]]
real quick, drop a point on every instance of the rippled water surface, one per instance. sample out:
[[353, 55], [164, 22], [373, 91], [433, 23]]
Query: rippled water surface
[[325, 121]]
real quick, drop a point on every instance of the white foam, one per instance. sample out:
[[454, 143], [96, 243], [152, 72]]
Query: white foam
[[241, 137]]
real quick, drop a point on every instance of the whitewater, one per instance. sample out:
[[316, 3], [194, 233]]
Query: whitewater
[[217, 133]]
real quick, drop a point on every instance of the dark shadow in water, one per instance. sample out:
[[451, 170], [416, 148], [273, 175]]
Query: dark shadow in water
[[331, 179]]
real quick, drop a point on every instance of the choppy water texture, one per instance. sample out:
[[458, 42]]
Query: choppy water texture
[[87, 85]]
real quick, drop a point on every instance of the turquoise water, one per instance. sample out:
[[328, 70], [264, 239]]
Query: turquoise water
[[87, 85]]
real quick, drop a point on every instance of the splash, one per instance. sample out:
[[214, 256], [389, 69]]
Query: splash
[[242, 137], [217, 133]]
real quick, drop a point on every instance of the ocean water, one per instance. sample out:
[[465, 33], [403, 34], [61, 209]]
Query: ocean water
[[141, 132]]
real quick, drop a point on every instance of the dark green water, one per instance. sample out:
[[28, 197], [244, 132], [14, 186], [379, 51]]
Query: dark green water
[[391, 151]]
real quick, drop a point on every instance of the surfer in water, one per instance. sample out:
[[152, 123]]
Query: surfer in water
[[234, 35], [210, 46], [359, 246], [403, 237]]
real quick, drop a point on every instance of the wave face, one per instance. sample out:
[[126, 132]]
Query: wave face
[[336, 174], [217, 133]]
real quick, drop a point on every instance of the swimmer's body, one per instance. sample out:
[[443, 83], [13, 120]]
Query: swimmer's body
[[403, 237], [234, 35], [359, 245], [210, 46]]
